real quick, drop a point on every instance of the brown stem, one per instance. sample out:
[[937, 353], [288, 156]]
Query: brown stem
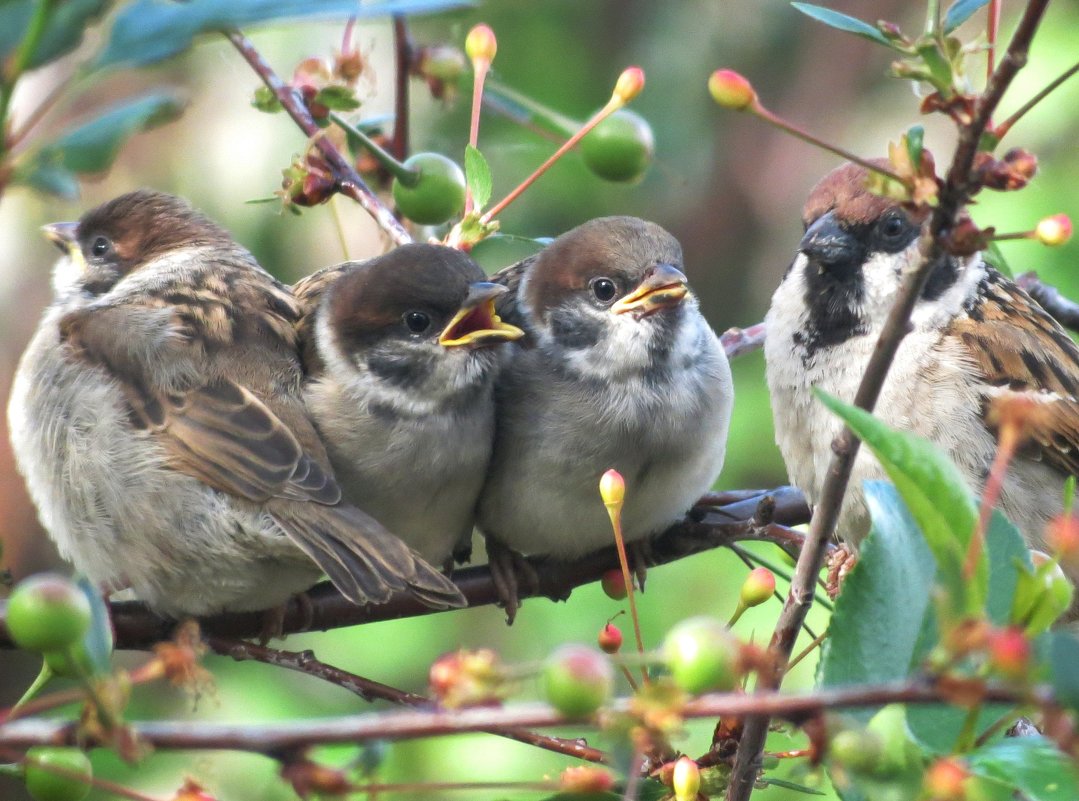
[[957, 191], [1064, 310], [404, 51], [705, 529], [348, 180], [286, 736], [369, 690]]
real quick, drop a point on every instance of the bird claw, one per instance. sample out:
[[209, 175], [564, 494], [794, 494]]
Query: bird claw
[[509, 571], [840, 562]]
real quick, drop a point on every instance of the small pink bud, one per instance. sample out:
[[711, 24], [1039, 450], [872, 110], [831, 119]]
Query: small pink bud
[[481, 44], [686, 779], [758, 587], [586, 779], [612, 488], [1054, 231], [945, 779], [610, 639], [1009, 652], [629, 85], [731, 90]]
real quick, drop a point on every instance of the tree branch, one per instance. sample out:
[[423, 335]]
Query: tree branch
[[740, 341], [957, 191], [761, 517], [282, 737], [403, 50], [369, 690], [348, 180], [1064, 310]]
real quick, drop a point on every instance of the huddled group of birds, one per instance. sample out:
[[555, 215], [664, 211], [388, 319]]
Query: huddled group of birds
[[195, 431]]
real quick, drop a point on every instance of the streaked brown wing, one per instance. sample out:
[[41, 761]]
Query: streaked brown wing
[[507, 305], [1038, 356]]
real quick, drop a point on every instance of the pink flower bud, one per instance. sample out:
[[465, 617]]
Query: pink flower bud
[[612, 488], [1054, 231], [1009, 652], [629, 85], [758, 587], [731, 90], [481, 44], [586, 779], [686, 779]]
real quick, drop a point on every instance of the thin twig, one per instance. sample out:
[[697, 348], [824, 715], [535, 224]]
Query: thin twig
[[403, 50], [348, 180], [325, 608], [1002, 129], [1064, 310], [957, 191], [278, 737], [370, 690]]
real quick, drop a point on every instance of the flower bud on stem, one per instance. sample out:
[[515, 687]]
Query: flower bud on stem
[[612, 488]]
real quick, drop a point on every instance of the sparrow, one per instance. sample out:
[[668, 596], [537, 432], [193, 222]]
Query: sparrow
[[619, 370], [974, 335], [401, 353], [158, 419]]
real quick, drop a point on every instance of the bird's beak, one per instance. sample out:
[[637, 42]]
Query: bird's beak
[[831, 248], [662, 288], [65, 236], [476, 324]]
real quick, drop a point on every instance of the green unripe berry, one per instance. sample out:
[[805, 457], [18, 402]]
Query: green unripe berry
[[47, 612], [702, 655], [577, 680], [858, 751], [437, 195], [44, 784], [620, 148]]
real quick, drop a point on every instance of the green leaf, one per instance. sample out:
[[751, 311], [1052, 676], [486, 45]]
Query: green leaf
[[478, 177], [338, 98], [265, 100], [1063, 659], [48, 177], [914, 139], [874, 633], [1032, 765], [937, 497], [63, 31], [92, 146], [960, 12], [148, 31], [1042, 595], [843, 22]]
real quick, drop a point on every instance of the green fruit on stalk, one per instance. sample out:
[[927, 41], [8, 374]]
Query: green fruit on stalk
[[47, 612], [45, 784], [620, 148], [436, 195]]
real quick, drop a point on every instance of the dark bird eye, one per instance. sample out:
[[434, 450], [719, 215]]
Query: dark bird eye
[[417, 321], [893, 227], [604, 289], [101, 246]]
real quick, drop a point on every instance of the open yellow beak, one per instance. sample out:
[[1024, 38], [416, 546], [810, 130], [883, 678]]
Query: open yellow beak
[[65, 236], [476, 324], [662, 288]]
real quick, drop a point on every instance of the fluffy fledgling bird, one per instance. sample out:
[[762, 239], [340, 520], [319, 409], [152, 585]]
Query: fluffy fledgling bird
[[620, 370], [401, 353], [974, 334], [158, 419]]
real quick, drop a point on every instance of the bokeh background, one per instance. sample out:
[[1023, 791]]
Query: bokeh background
[[730, 188]]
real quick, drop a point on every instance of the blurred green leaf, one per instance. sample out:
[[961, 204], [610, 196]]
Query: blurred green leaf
[[265, 100], [874, 633], [338, 98], [48, 176], [937, 497], [1041, 596], [1063, 659], [914, 140], [1032, 765], [960, 12], [63, 31], [92, 146], [477, 176], [148, 31], [843, 22]]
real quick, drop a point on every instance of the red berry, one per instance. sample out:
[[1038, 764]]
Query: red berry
[[945, 779], [610, 639], [758, 587], [614, 584], [1009, 652]]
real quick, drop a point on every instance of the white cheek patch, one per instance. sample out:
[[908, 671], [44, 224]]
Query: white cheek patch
[[66, 272]]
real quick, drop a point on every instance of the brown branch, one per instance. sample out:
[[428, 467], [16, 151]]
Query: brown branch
[[957, 191], [1064, 310], [275, 738], [404, 52], [704, 529], [740, 341], [348, 180], [369, 690]]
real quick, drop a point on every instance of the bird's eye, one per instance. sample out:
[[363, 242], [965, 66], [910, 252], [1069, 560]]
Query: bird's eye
[[604, 289], [417, 321], [893, 227], [100, 246]]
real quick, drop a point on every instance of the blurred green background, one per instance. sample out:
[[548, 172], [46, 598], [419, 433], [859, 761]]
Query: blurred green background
[[727, 186]]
